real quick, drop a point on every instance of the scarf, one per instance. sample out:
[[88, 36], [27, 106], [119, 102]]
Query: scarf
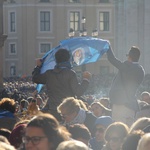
[[80, 118], [63, 65]]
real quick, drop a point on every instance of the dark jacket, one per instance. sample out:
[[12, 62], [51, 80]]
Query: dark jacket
[[95, 145], [61, 82], [90, 121], [7, 119], [124, 87]]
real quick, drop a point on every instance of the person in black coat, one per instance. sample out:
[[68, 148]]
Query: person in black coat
[[61, 82]]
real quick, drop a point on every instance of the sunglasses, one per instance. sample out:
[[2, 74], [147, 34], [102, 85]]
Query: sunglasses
[[35, 139]]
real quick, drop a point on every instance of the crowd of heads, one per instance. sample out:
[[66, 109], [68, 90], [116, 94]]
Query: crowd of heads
[[25, 126]]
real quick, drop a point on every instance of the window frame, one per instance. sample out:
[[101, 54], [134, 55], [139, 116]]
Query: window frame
[[12, 24], [40, 44], [15, 44], [50, 21], [104, 22], [14, 70], [74, 21]]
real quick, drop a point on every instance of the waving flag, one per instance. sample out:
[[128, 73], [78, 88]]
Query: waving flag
[[83, 50]]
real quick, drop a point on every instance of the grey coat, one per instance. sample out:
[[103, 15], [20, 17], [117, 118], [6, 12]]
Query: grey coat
[[125, 84]]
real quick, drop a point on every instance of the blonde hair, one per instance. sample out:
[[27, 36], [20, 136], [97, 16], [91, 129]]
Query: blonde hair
[[144, 143], [72, 145], [33, 109], [140, 124], [70, 104]]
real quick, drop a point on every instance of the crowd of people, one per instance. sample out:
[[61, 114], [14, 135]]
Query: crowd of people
[[35, 129], [63, 118]]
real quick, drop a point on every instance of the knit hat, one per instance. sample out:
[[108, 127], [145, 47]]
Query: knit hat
[[15, 137], [104, 121]]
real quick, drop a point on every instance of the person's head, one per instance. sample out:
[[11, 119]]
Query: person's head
[[39, 101], [29, 99], [62, 55], [80, 132], [140, 124], [115, 134], [69, 108], [8, 105], [44, 132], [98, 109], [145, 96], [105, 102], [72, 145], [134, 54], [100, 126], [24, 103], [144, 143], [132, 139], [33, 108]]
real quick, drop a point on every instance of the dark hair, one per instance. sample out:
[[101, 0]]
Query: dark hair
[[8, 104], [79, 131], [132, 139], [134, 53], [51, 128], [24, 103], [33, 101], [62, 55]]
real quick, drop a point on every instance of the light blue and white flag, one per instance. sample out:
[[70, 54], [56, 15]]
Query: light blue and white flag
[[83, 50]]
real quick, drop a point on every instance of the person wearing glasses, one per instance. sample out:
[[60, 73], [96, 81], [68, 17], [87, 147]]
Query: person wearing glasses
[[43, 132], [98, 140], [115, 135], [125, 84], [72, 113]]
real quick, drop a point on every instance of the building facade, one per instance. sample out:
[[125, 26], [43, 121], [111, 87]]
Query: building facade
[[35, 26], [2, 39], [132, 27]]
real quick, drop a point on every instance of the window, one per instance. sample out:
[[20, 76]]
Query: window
[[44, 21], [103, 1], [104, 21], [44, 47], [12, 70], [12, 48], [12, 22], [75, 20], [74, 1]]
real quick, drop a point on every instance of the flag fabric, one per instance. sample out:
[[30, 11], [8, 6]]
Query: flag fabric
[[83, 50]]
